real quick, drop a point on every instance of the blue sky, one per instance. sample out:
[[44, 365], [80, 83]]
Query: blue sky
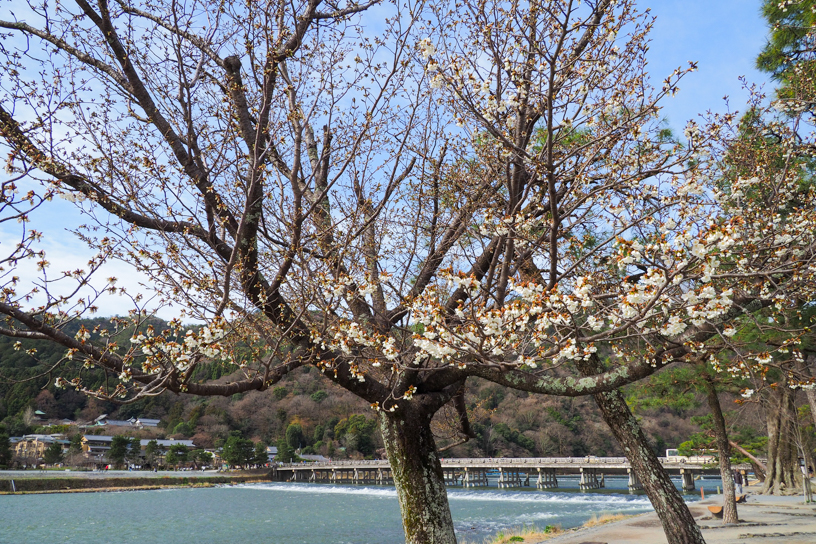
[[723, 36]]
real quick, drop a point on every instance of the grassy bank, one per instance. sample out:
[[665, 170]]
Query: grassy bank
[[58, 485]]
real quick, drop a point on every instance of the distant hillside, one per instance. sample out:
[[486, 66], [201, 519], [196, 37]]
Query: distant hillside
[[314, 414], [27, 380]]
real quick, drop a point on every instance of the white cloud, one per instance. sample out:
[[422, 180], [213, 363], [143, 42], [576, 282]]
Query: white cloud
[[65, 252]]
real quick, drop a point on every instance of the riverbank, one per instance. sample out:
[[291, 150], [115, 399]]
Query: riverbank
[[763, 519], [87, 482]]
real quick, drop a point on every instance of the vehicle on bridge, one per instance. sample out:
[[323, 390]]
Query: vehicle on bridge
[[673, 456]]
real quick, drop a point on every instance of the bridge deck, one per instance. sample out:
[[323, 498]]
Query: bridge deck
[[562, 465]]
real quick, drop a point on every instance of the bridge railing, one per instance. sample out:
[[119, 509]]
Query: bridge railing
[[533, 460], [496, 462], [473, 462]]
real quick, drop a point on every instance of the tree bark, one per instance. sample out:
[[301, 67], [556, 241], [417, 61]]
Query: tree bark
[[678, 523], [724, 451], [781, 477], [810, 393], [418, 476]]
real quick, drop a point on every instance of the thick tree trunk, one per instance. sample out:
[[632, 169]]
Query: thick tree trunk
[[781, 476], [678, 523], [724, 450], [810, 393], [418, 477]]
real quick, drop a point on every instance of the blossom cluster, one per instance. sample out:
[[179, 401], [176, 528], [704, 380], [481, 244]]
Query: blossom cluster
[[160, 350]]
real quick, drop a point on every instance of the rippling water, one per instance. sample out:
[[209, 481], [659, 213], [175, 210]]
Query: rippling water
[[281, 513]]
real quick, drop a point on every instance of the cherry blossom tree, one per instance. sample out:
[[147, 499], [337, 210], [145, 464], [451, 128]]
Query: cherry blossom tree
[[463, 190]]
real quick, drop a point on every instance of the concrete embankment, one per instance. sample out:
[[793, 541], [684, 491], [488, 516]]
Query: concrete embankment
[[58, 483]]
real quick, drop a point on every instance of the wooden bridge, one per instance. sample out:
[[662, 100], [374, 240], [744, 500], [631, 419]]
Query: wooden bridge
[[542, 472]]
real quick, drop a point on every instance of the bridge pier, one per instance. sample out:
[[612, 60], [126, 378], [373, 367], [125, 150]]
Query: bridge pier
[[590, 479], [474, 477], [547, 479], [509, 477], [318, 475], [634, 481], [687, 478], [384, 477], [366, 476], [452, 476], [340, 476]]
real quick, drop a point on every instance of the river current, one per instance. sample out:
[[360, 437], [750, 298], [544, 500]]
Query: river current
[[283, 513]]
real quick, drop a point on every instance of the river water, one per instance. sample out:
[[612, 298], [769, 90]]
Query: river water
[[284, 513]]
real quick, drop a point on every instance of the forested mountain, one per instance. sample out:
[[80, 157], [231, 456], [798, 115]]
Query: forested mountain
[[314, 414], [28, 369]]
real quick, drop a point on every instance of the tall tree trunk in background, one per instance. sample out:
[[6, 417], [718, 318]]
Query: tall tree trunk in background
[[781, 477], [805, 368], [724, 451], [811, 397], [418, 476], [805, 473], [678, 523]]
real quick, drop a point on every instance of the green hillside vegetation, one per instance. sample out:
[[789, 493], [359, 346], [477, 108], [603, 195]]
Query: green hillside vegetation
[[313, 416], [28, 369]]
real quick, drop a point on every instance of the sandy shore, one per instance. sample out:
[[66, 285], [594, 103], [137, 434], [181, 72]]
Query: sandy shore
[[763, 520]]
